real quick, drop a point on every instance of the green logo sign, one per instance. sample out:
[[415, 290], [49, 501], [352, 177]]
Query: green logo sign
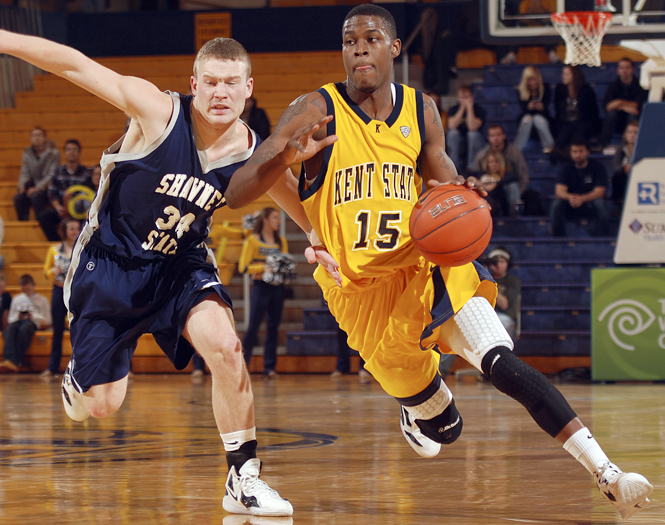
[[628, 324]]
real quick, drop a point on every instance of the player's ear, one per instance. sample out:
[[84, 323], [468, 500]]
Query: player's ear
[[250, 87], [192, 84], [396, 48]]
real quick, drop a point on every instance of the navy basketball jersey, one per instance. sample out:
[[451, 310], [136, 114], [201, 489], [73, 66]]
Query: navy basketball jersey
[[159, 203]]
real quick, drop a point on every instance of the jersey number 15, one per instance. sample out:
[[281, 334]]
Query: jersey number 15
[[387, 232]]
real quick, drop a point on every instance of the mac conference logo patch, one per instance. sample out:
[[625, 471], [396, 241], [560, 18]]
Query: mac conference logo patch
[[406, 131]]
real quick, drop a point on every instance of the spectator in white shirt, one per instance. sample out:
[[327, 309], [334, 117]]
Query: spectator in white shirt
[[29, 311]]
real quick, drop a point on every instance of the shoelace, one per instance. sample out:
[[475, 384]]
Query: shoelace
[[607, 474], [252, 484]]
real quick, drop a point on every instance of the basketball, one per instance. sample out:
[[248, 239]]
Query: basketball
[[451, 225]]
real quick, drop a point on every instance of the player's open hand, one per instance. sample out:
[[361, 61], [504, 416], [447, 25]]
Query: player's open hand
[[303, 145], [318, 254]]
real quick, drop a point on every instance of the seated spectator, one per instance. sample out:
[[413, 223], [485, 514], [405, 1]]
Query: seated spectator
[[495, 179], [39, 163], [5, 302], [580, 192], [465, 129], [516, 165], [256, 118], [621, 164], [56, 265], [70, 173], [575, 109], [28, 312], [509, 298], [623, 103], [534, 97]]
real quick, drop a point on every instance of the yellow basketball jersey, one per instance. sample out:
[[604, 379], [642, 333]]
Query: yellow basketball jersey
[[360, 201]]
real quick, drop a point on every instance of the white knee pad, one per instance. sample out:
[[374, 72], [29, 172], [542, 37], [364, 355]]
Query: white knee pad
[[480, 330], [434, 406]]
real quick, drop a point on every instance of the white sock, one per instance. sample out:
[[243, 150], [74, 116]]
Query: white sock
[[585, 449], [234, 440]]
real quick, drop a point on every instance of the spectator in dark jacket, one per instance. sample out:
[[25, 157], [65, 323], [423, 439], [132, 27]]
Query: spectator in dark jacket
[[623, 102], [580, 192], [575, 107]]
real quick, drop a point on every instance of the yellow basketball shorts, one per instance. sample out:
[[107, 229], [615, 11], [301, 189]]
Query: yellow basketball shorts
[[395, 321]]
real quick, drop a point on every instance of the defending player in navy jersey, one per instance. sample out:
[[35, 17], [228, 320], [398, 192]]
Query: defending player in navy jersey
[[396, 308], [140, 264]]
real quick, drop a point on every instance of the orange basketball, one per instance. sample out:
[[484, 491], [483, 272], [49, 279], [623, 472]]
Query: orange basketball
[[451, 225]]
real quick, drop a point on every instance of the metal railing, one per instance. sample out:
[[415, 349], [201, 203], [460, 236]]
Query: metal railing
[[17, 75]]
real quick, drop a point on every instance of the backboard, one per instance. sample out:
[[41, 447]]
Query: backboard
[[527, 22]]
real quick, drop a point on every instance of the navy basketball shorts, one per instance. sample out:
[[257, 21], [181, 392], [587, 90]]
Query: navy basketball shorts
[[115, 300]]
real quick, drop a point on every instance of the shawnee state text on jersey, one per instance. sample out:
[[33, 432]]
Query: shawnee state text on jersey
[[160, 202]]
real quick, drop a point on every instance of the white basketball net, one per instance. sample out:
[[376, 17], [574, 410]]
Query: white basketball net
[[583, 35]]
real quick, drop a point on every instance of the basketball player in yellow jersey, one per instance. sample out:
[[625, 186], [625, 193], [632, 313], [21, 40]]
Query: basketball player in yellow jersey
[[365, 143]]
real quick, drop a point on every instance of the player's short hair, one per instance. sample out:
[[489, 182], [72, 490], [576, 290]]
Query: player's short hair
[[223, 49], [25, 279], [375, 10], [626, 59]]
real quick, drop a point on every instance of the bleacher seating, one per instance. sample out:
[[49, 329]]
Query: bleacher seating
[[555, 272]]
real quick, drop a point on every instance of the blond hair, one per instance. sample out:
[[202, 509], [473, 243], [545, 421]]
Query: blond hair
[[499, 158], [223, 49], [527, 73]]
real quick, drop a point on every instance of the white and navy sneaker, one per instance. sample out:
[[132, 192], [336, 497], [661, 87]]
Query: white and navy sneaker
[[628, 492], [247, 494], [423, 445], [74, 410]]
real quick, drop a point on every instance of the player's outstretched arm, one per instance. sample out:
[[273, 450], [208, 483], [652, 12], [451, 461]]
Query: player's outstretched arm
[[299, 135], [137, 97]]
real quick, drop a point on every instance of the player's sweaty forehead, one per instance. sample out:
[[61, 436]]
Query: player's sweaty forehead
[[362, 24]]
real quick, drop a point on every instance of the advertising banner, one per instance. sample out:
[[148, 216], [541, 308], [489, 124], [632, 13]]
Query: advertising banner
[[642, 231], [628, 324]]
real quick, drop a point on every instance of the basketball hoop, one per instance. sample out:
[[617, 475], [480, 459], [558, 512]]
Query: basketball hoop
[[583, 33]]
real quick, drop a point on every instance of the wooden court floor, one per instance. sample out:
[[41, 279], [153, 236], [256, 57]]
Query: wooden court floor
[[334, 448]]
